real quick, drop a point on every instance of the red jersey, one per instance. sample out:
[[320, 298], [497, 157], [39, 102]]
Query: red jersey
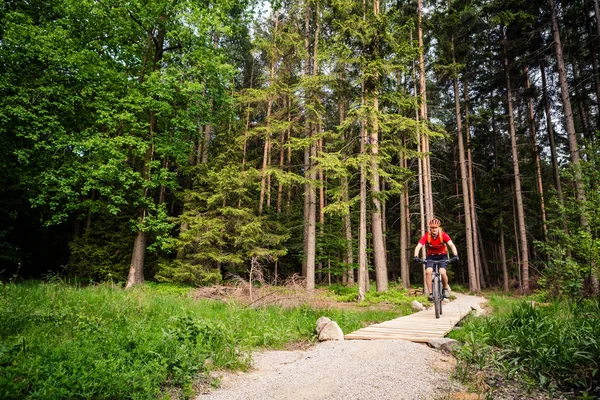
[[436, 246]]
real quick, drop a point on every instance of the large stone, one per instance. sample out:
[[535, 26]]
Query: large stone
[[478, 311], [445, 344], [415, 305], [321, 322], [331, 331]]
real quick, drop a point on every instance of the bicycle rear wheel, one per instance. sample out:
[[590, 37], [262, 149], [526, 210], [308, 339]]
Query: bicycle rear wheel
[[437, 296]]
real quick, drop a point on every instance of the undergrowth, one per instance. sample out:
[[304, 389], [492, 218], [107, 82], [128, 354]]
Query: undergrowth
[[554, 346], [395, 295], [101, 342]]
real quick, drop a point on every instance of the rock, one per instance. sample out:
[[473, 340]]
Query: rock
[[415, 305], [445, 344], [478, 311], [331, 331], [321, 322]]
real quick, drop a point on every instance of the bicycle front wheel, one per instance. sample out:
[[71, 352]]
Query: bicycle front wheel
[[437, 296]]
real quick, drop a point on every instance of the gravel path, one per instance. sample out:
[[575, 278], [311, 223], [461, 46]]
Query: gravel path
[[352, 369]]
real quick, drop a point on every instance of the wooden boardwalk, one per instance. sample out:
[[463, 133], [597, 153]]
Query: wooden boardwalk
[[421, 326]]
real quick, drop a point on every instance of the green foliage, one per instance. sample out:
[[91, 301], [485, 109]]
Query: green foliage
[[100, 342], [555, 345], [396, 296], [218, 234], [574, 255], [103, 253]]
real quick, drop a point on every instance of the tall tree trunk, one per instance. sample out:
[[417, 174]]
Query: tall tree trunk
[[267, 146], [348, 277], [379, 256], [503, 257], [421, 180], [473, 279], [594, 56], [427, 188], [281, 163], [319, 144], [136, 268], [363, 276], [471, 184], [245, 148], [566, 100], [518, 194], [309, 189], [404, 266], [536, 154], [581, 102], [553, 153], [572, 134]]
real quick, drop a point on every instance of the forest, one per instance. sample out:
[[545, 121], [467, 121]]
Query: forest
[[193, 142]]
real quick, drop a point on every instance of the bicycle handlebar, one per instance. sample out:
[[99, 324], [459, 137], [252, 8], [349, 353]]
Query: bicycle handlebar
[[450, 261]]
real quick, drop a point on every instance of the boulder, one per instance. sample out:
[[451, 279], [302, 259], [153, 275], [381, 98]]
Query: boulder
[[321, 322], [478, 310], [331, 331], [444, 344], [415, 305]]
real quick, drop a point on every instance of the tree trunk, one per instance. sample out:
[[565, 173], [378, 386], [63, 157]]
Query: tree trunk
[[309, 188], [427, 189], [572, 134], [363, 277], [570, 125], [421, 180], [473, 279], [581, 103], [503, 257], [404, 265], [553, 153], [471, 184], [536, 154], [348, 277], [267, 146], [518, 195], [136, 269], [594, 55]]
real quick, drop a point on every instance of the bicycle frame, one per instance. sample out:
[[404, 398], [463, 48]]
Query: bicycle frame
[[436, 283]]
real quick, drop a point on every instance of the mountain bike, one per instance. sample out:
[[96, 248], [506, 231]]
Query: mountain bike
[[436, 282]]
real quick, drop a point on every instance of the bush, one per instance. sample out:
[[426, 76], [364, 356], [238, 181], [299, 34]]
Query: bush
[[557, 344]]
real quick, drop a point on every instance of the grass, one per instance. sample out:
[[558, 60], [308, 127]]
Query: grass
[[396, 296], [555, 346], [101, 342]]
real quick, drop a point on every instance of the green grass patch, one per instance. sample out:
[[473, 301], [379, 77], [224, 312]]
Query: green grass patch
[[101, 342], [553, 346], [396, 295]]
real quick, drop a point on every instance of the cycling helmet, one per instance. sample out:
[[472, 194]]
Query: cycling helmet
[[434, 222]]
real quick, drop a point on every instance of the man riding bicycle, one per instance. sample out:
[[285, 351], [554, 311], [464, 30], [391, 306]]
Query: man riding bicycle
[[435, 242]]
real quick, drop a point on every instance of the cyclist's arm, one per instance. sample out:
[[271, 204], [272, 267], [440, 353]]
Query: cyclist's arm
[[453, 247], [417, 249]]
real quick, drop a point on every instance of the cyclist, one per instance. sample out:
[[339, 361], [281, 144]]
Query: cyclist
[[435, 242]]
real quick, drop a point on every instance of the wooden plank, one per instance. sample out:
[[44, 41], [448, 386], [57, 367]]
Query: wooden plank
[[419, 327]]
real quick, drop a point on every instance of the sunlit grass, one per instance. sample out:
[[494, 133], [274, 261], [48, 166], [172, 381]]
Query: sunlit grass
[[553, 345], [101, 342]]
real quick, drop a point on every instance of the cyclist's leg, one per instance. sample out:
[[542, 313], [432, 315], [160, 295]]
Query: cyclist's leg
[[444, 277], [428, 274], [446, 290]]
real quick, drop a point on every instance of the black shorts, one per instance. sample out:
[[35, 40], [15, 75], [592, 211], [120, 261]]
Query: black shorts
[[436, 257]]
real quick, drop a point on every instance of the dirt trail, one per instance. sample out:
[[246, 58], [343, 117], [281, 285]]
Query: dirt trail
[[349, 369]]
